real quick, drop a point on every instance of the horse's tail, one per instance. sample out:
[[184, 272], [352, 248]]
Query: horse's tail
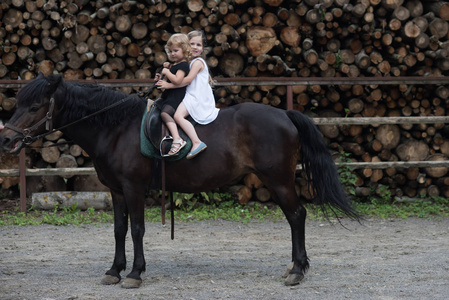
[[319, 167]]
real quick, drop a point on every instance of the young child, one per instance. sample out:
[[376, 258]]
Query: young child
[[199, 101], [179, 52]]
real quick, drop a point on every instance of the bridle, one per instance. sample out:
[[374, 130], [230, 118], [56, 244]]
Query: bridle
[[48, 120]]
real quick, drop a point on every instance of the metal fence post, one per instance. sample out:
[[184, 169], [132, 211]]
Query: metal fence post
[[22, 178], [289, 97]]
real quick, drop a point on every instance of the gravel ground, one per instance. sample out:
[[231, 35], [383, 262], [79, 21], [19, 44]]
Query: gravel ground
[[380, 259]]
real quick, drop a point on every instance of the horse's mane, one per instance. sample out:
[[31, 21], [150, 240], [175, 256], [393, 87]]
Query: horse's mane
[[80, 100]]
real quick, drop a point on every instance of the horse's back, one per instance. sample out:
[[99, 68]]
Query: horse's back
[[253, 122], [245, 138], [248, 115]]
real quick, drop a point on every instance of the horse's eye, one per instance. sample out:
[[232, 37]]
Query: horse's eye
[[34, 109]]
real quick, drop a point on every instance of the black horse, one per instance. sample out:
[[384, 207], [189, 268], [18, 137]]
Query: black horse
[[244, 138]]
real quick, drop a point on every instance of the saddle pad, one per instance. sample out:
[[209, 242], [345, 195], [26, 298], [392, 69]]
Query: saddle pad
[[147, 149]]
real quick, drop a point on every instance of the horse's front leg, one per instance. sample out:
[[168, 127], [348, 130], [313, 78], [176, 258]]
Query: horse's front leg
[[136, 207], [120, 230]]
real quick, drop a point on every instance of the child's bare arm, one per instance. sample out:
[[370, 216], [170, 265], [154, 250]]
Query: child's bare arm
[[196, 68], [174, 78]]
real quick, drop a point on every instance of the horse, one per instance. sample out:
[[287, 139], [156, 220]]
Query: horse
[[245, 138]]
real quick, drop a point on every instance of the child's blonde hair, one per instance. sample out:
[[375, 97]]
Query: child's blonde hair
[[199, 33], [182, 41]]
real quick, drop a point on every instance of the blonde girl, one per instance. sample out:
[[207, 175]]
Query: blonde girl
[[179, 53], [199, 101]]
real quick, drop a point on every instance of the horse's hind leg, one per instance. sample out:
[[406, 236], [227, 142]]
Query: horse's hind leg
[[285, 195], [112, 276]]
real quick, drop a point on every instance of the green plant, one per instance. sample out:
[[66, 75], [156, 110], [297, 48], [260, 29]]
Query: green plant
[[338, 59], [191, 201], [184, 200], [229, 210], [383, 195], [347, 176], [322, 15]]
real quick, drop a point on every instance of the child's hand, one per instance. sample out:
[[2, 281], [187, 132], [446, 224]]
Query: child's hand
[[166, 65], [165, 71], [157, 77], [162, 84]]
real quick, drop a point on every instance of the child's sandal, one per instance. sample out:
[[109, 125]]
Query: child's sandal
[[176, 146]]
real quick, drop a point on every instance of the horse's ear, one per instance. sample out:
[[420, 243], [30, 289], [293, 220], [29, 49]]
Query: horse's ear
[[53, 81]]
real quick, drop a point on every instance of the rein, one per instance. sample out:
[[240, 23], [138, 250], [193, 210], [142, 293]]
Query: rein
[[28, 139]]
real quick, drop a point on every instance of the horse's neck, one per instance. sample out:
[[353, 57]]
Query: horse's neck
[[87, 137]]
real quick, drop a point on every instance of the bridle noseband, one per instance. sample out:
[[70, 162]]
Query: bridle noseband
[[48, 120]]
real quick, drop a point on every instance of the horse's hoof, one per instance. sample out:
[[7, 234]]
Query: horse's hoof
[[131, 283], [293, 279], [287, 272], [109, 279]]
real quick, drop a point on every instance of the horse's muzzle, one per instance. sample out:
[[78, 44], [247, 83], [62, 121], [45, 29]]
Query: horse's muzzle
[[11, 145]]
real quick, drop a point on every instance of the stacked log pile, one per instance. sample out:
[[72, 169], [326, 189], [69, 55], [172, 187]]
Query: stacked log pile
[[103, 39]]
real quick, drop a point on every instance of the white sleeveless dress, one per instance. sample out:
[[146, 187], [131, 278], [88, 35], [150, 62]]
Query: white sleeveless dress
[[199, 99]]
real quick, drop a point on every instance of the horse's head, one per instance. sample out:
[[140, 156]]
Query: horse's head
[[33, 115]]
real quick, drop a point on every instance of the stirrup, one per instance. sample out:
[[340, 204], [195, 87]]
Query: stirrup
[[167, 137]]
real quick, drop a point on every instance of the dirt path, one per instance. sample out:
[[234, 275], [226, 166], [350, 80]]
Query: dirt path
[[225, 260]]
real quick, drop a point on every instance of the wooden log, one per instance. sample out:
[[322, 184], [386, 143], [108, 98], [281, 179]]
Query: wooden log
[[330, 131], [123, 23], [96, 44], [243, 193], [362, 60], [195, 5], [232, 64], [82, 200], [50, 153], [263, 194], [8, 161], [392, 4], [260, 40], [66, 161], [412, 150], [310, 56], [422, 41], [440, 9], [290, 36], [88, 183], [377, 174], [401, 13], [388, 135], [8, 59], [38, 184], [313, 16], [436, 172], [415, 8], [8, 103], [63, 145], [82, 34], [411, 30], [438, 28]]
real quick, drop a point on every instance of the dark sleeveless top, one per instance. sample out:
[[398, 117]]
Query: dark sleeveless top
[[173, 97]]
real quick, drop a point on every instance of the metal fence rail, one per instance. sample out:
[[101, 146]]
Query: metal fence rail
[[248, 81]]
